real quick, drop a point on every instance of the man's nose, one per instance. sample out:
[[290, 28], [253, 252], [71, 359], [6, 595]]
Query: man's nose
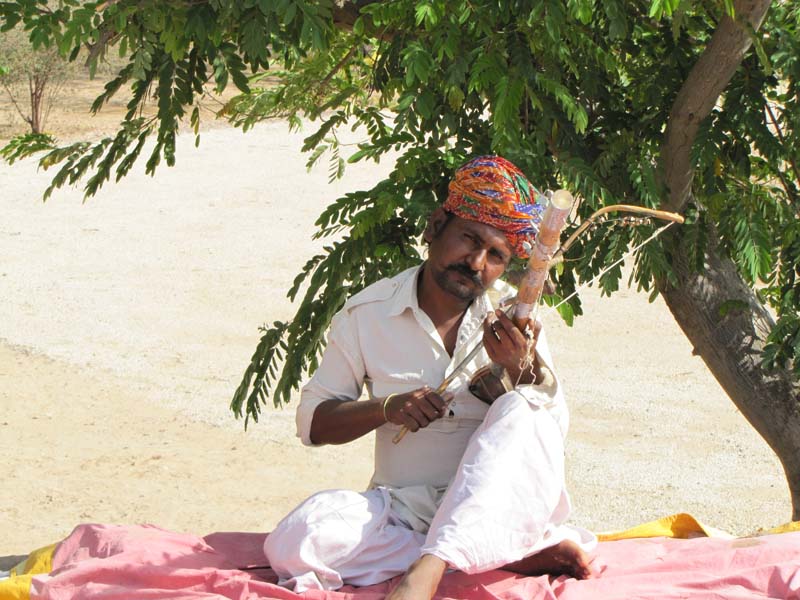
[[477, 260]]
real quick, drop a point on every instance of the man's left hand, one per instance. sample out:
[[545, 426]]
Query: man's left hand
[[509, 347]]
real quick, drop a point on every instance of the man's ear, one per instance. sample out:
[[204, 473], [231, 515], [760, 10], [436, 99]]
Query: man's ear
[[436, 221]]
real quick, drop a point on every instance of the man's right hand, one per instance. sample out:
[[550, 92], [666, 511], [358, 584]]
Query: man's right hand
[[339, 422], [416, 409]]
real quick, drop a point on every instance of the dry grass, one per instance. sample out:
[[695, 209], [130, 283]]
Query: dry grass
[[70, 117]]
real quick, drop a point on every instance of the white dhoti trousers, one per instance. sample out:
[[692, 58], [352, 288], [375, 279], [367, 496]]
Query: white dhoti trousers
[[507, 501]]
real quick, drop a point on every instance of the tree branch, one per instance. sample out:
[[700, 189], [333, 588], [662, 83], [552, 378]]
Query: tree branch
[[14, 101], [99, 47], [345, 13], [708, 78], [779, 132], [336, 68]]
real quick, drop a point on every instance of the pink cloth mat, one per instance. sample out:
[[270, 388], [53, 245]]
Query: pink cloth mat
[[113, 562]]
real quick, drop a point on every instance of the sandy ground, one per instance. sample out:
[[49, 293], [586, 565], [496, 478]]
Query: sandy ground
[[126, 322]]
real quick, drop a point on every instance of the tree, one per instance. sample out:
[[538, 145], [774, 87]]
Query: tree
[[32, 79], [688, 104]]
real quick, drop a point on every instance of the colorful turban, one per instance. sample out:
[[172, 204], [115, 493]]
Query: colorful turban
[[491, 190]]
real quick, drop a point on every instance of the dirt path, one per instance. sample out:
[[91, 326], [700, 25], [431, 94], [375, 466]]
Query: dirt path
[[126, 322]]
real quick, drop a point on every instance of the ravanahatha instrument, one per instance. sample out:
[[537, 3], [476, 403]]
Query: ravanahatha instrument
[[544, 253]]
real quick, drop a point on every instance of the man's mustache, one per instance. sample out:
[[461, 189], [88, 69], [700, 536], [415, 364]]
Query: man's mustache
[[463, 269]]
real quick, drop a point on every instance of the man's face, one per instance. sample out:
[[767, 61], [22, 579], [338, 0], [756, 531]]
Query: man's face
[[465, 257]]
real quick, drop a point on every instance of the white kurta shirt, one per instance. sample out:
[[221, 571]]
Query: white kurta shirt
[[382, 338]]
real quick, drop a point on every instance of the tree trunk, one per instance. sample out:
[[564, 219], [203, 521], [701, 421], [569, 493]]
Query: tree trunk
[[36, 104], [731, 347], [705, 83]]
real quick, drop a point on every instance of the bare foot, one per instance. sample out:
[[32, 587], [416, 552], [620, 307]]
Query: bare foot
[[565, 558], [421, 581]]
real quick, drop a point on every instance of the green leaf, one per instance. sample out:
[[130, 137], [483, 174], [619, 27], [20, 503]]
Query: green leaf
[[26, 145]]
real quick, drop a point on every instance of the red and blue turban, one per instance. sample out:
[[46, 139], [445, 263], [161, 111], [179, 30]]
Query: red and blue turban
[[491, 190]]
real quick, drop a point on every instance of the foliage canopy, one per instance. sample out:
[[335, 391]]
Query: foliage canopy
[[576, 92]]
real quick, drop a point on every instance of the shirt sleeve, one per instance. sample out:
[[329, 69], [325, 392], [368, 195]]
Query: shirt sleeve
[[547, 393], [340, 374]]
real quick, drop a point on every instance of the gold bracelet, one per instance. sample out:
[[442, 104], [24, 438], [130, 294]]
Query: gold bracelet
[[385, 404]]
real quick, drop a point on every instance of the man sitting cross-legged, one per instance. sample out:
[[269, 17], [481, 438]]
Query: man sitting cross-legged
[[475, 487]]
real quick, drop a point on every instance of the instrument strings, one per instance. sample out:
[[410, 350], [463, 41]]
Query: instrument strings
[[583, 285], [603, 271]]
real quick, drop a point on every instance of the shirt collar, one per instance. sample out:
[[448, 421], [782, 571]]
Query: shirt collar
[[406, 297]]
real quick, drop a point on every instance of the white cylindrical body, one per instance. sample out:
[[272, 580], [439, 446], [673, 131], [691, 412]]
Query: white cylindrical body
[[547, 242]]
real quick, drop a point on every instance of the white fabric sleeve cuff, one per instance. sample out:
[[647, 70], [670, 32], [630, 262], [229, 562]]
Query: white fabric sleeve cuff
[[304, 415], [339, 376]]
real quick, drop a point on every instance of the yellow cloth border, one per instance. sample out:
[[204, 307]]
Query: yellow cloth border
[[785, 528], [684, 526], [681, 526], [18, 585]]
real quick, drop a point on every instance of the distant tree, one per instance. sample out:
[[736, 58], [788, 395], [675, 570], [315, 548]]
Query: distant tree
[[32, 79], [692, 105]]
